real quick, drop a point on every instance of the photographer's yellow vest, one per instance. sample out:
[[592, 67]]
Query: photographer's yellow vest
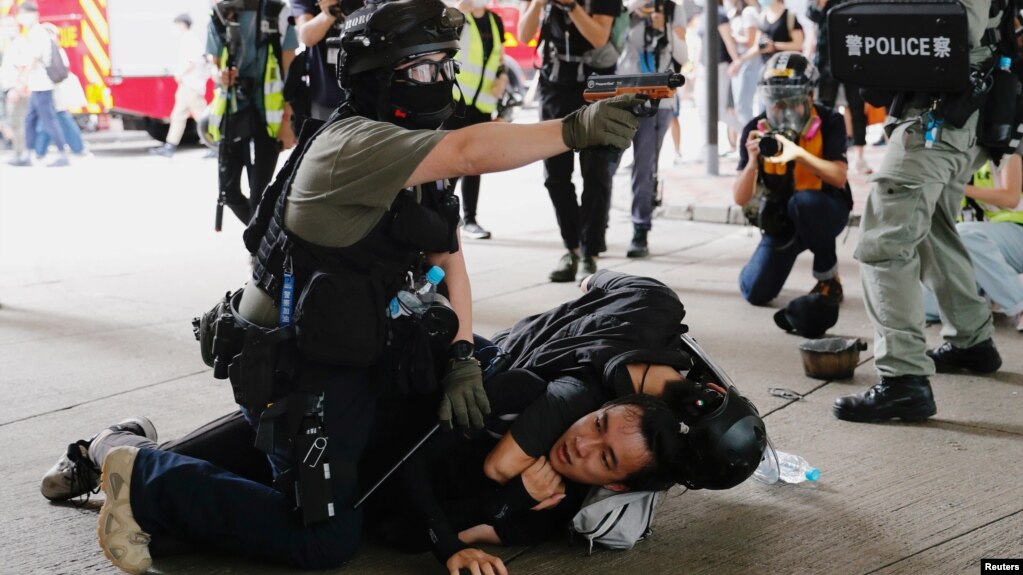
[[985, 178], [803, 178], [475, 80]]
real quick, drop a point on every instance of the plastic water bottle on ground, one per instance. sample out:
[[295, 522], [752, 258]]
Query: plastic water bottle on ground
[[790, 469]]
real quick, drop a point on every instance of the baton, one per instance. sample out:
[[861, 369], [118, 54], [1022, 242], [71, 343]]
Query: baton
[[410, 453], [496, 366]]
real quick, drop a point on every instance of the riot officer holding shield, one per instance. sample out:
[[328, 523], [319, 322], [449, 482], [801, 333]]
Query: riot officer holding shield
[[908, 229]]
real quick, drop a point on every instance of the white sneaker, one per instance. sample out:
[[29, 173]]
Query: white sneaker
[[1019, 322], [475, 231], [75, 474], [122, 540]]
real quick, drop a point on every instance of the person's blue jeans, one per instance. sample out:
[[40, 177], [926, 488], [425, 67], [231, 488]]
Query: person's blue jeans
[[189, 499], [819, 218], [42, 114], [996, 250], [68, 127]]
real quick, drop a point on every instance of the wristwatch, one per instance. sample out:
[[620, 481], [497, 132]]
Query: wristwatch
[[461, 350]]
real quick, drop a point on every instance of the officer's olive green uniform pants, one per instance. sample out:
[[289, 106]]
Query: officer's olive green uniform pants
[[908, 234]]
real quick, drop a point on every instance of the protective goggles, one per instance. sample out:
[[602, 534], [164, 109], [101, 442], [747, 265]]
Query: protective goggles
[[428, 72]]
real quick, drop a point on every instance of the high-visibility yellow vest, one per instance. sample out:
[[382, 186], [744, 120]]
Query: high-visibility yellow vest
[[985, 178], [475, 80], [273, 98]]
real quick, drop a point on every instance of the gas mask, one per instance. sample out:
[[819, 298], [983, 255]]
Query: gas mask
[[787, 107]]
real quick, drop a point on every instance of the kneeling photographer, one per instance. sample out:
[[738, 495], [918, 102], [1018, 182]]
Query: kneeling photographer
[[792, 181]]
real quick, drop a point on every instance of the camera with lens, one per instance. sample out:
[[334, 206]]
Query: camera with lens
[[770, 145]]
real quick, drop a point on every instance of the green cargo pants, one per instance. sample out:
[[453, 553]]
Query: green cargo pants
[[908, 234]]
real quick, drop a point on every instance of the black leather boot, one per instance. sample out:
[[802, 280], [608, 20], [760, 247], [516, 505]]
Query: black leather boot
[[568, 265], [638, 247], [981, 358], [907, 397]]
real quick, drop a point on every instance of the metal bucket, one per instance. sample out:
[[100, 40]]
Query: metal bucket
[[831, 357]]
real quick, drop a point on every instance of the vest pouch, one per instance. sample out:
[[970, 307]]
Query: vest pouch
[[253, 371], [421, 227], [340, 319]]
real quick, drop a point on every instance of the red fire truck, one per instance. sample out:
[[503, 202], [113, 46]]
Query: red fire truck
[[123, 51]]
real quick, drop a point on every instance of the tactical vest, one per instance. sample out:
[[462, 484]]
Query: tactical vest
[[985, 178], [475, 80], [269, 35], [373, 269]]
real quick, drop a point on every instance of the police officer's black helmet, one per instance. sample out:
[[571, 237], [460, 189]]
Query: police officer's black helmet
[[787, 76], [725, 437], [384, 33]]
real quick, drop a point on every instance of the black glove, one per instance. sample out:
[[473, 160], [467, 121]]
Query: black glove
[[609, 122], [464, 395]]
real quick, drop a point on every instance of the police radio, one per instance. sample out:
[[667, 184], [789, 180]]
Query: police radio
[[920, 46]]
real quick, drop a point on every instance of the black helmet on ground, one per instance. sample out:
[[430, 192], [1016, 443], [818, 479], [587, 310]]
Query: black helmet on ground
[[382, 36]]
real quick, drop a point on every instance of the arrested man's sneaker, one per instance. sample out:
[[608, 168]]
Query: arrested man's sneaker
[[568, 265], [981, 358], [121, 538], [906, 397], [75, 474], [829, 288]]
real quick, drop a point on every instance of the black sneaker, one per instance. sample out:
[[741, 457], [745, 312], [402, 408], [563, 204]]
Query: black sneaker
[[587, 267], [75, 474], [475, 231], [907, 397], [981, 358], [567, 266], [638, 246], [829, 288]]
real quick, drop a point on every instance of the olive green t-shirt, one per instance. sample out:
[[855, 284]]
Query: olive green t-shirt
[[347, 180]]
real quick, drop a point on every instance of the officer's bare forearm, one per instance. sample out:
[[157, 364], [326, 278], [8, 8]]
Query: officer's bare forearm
[[489, 147], [456, 278]]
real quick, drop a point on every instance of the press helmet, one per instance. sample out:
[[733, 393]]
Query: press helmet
[[786, 82]]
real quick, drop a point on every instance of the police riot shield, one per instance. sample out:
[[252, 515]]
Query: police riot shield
[[901, 45]]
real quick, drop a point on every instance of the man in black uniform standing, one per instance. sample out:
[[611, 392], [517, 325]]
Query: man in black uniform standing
[[576, 40]]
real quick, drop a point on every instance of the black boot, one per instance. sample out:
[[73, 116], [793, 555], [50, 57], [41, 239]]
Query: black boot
[[568, 265], [981, 358], [638, 247], [587, 267], [907, 397]]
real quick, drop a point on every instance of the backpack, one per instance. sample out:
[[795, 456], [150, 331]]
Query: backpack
[[608, 54], [56, 69], [616, 520]]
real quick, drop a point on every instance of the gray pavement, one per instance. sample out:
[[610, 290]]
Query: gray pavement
[[103, 265]]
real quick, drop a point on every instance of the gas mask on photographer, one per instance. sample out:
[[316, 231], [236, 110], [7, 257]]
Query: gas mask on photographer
[[785, 88]]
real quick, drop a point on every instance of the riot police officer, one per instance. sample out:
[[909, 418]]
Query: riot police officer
[[307, 344], [908, 233]]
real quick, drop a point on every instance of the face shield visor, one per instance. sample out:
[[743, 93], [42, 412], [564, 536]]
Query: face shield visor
[[787, 107]]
